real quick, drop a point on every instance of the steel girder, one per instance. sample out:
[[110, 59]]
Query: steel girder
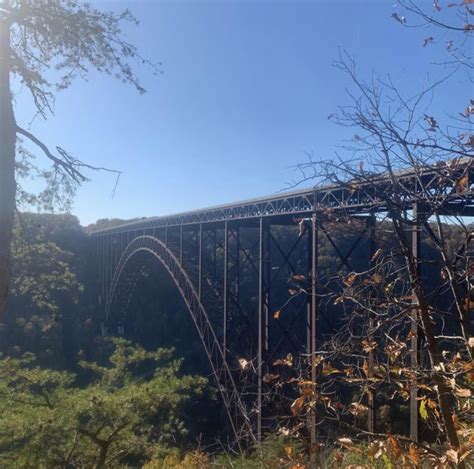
[[208, 259], [363, 195]]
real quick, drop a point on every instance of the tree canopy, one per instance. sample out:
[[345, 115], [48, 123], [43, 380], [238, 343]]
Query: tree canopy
[[130, 408], [44, 46]]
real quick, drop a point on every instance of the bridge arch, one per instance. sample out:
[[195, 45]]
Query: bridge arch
[[219, 366]]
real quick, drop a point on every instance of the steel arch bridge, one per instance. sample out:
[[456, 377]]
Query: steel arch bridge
[[230, 267]]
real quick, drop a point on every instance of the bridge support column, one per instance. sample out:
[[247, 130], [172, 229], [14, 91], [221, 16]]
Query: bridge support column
[[226, 289], [312, 327], [416, 251], [200, 263], [262, 319], [181, 244]]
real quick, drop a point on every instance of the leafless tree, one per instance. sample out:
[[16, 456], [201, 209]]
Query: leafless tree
[[401, 299]]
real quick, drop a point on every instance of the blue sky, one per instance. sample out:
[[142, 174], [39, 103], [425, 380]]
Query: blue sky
[[245, 92]]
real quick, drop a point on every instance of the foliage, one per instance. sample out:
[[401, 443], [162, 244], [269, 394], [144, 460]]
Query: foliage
[[44, 46], [52, 43], [130, 406], [273, 452], [48, 301], [42, 275], [402, 297]]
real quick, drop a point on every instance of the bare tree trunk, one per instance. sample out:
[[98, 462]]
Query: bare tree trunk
[[444, 393], [7, 164]]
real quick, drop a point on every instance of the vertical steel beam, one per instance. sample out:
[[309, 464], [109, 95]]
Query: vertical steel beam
[[313, 315], [226, 288], [260, 328], [214, 255], [107, 265], [181, 245], [237, 264], [266, 289], [114, 253], [200, 263], [102, 270], [371, 223], [416, 251]]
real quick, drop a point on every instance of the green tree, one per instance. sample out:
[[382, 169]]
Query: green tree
[[45, 45], [50, 307], [131, 408]]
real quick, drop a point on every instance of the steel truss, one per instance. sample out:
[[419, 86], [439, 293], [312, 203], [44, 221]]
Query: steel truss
[[231, 268], [358, 196]]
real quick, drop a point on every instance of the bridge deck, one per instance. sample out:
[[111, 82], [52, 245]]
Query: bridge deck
[[358, 196]]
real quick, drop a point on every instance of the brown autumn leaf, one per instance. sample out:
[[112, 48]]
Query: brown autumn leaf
[[338, 457], [357, 408], [243, 363], [372, 449], [288, 361], [463, 183], [328, 369], [376, 254], [414, 455], [430, 402], [428, 40], [317, 359], [401, 19], [452, 455], [369, 345], [465, 452], [466, 113], [394, 349], [298, 277], [297, 406], [349, 280], [276, 314], [269, 377], [395, 447], [288, 451], [463, 392], [338, 300], [349, 444], [365, 368], [304, 383]]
